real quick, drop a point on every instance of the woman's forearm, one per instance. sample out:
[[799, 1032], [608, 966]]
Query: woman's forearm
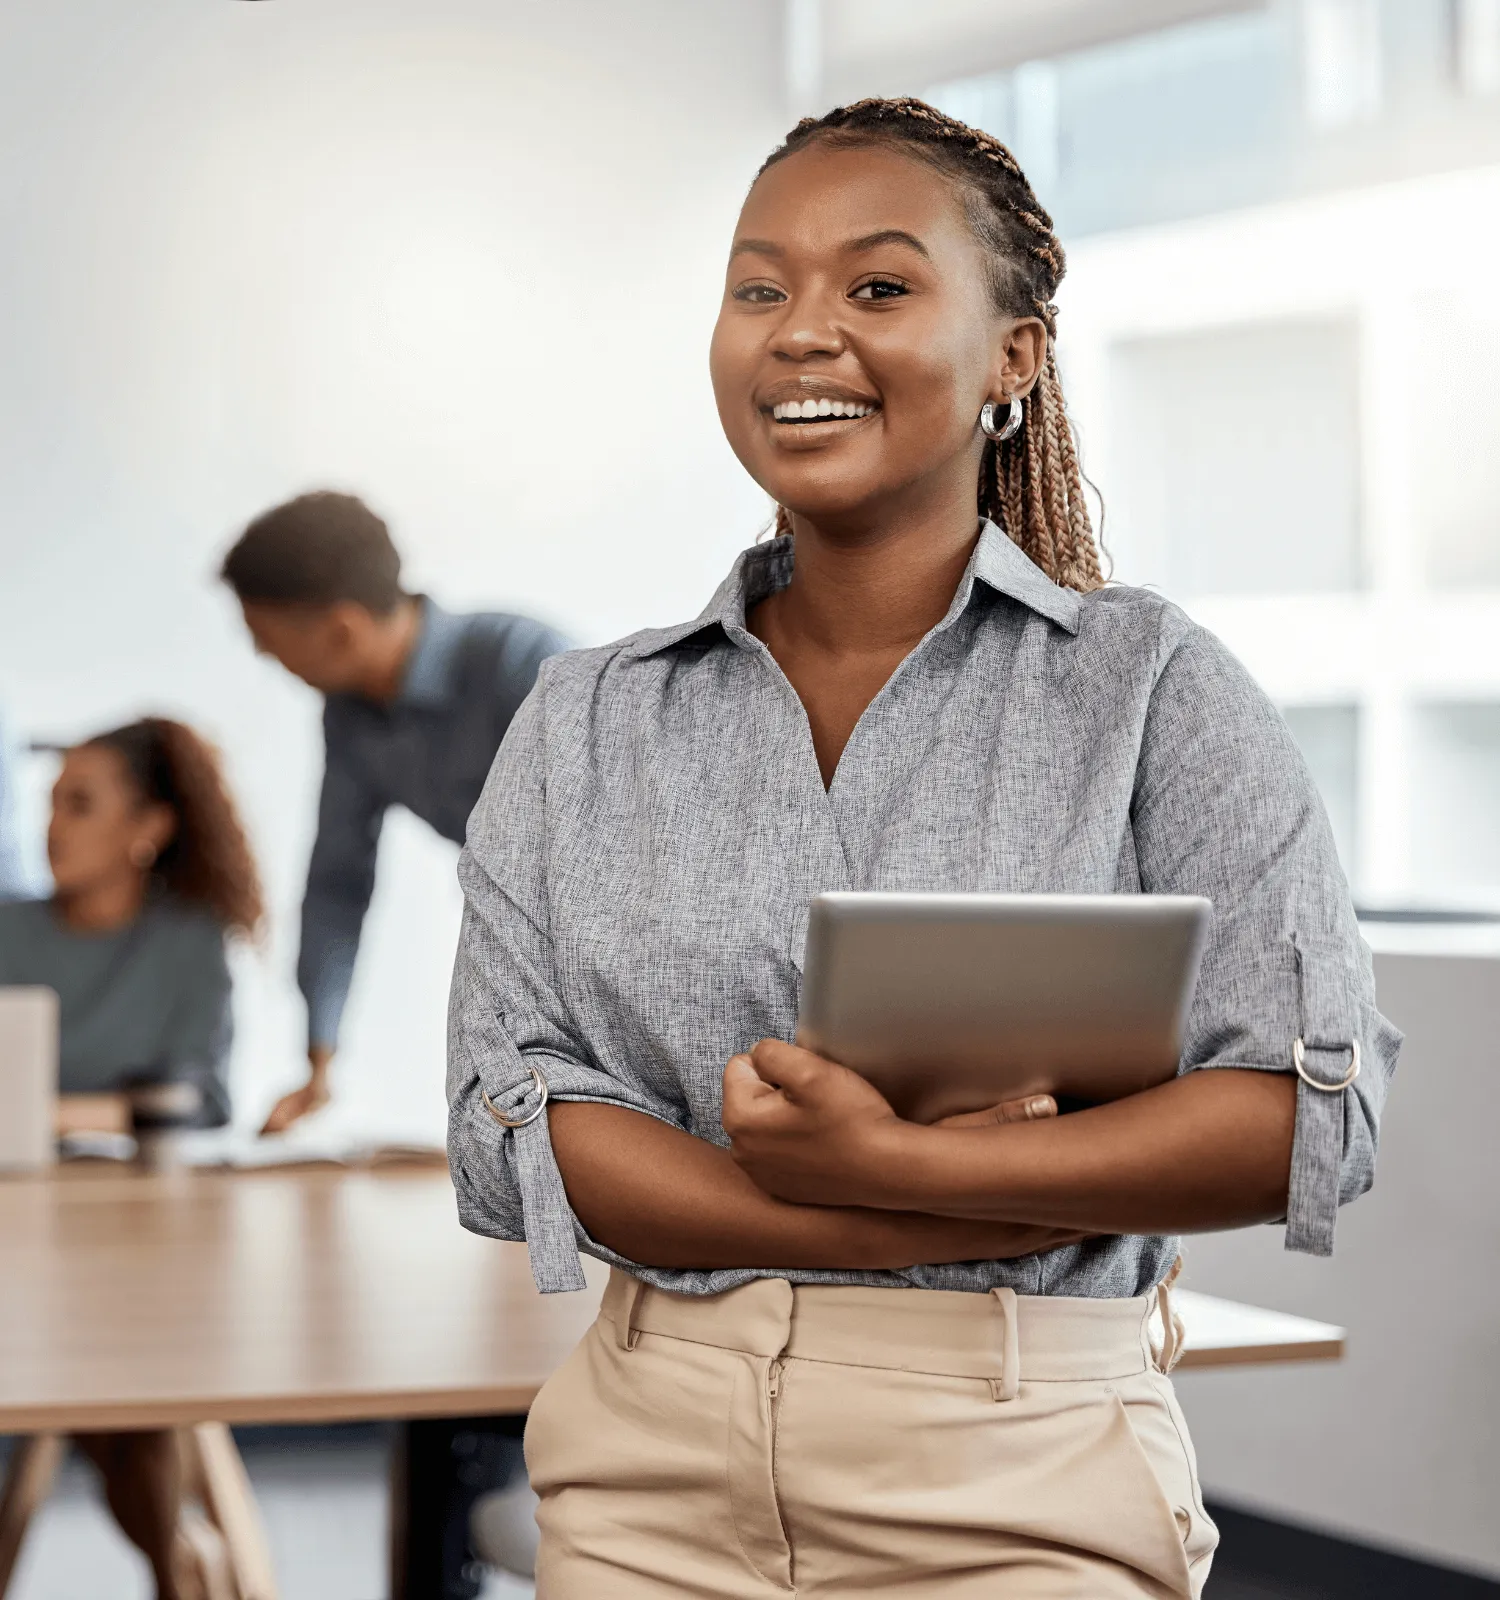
[[1209, 1150], [663, 1198]]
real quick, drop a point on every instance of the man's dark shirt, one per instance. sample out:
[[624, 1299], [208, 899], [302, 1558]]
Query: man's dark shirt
[[430, 751]]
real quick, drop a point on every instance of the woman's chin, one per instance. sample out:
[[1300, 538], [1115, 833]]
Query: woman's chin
[[830, 506]]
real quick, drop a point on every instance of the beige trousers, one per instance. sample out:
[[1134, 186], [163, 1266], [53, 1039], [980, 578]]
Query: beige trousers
[[857, 1442]]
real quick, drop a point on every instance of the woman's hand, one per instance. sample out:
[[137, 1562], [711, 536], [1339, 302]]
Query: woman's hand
[[808, 1130]]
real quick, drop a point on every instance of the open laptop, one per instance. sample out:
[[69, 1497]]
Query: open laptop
[[28, 1078]]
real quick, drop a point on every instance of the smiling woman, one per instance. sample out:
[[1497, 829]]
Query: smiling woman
[[841, 1353], [1003, 253]]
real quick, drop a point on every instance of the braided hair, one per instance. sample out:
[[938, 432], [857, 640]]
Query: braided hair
[[1030, 484]]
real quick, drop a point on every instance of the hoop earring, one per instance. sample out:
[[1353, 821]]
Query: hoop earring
[[1012, 424]]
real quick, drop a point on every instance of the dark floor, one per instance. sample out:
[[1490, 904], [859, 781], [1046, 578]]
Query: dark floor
[[322, 1492], [1263, 1560]]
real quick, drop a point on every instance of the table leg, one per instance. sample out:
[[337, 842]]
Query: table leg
[[33, 1466], [230, 1502], [400, 1470]]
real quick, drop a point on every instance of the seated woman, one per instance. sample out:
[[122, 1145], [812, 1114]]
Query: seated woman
[[151, 872]]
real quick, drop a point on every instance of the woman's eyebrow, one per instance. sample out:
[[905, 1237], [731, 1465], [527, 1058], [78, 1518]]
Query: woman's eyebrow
[[755, 247], [871, 241], [867, 241]]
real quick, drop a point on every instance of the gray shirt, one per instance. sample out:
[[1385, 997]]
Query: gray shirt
[[430, 752], [148, 999], [639, 870]]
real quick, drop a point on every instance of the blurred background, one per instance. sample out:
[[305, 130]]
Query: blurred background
[[462, 257]]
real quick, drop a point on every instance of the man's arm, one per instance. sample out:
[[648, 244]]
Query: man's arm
[[340, 881], [522, 648]]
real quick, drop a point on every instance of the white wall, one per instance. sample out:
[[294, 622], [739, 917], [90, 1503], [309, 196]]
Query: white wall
[[1416, 627], [888, 46], [461, 256]]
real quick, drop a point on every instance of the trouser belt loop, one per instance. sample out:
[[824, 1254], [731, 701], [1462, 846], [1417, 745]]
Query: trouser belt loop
[[625, 1329], [1006, 1385], [1172, 1331]]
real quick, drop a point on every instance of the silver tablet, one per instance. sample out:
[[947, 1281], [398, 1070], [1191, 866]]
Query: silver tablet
[[953, 1002]]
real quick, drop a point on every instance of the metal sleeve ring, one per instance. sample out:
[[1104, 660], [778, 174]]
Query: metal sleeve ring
[[531, 1116], [1299, 1063]]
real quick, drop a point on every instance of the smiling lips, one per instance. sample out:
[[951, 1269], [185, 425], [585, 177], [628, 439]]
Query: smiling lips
[[823, 410]]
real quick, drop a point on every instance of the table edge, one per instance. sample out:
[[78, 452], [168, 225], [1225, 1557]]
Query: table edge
[[120, 1416], [1265, 1355]]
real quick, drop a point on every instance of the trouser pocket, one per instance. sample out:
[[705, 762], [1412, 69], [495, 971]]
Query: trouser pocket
[[1159, 1428]]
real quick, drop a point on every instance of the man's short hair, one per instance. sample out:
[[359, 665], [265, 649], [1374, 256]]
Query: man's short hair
[[315, 551]]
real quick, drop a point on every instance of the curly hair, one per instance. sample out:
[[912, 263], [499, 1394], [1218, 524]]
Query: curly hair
[[1030, 484], [208, 861]]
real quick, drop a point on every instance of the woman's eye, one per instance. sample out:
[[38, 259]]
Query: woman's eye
[[758, 294], [878, 289]]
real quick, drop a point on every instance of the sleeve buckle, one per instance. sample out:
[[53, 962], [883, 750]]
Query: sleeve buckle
[[1299, 1062], [541, 1104]]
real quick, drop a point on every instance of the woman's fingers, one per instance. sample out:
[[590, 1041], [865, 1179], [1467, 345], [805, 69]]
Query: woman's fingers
[[1031, 1108], [787, 1066], [746, 1095]]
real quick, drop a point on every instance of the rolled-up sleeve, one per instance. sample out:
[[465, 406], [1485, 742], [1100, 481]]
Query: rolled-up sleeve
[[511, 1033], [1224, 807]]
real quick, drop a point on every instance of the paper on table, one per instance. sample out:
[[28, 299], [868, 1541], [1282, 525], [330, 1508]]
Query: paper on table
[[241, 1149]]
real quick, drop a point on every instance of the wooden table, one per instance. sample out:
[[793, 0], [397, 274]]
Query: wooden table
[[1224, 1333], [198, 1299], [319, 1295], [309, 1295]]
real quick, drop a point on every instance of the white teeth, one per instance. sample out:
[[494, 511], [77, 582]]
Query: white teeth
[[801, 410]]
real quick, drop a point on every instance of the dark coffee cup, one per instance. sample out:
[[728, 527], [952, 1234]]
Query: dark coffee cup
[[161, 1111]]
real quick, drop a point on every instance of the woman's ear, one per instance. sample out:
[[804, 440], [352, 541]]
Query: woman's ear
[[1020, 355], [159, 826]]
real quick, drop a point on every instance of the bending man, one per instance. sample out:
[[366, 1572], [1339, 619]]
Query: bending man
[[416, 702]]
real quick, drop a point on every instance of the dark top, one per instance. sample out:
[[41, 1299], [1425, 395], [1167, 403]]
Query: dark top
[[148, 999], [429, 751]]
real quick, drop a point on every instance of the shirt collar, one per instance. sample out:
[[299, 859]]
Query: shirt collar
[[428, 680], [999, 563], [764, 568]]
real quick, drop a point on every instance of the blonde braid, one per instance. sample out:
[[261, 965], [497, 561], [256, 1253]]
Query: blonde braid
[[1038, 535], [1032, 484], [1085, 547]]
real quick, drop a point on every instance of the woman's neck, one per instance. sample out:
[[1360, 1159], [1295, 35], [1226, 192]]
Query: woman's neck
[[876, 588], [103, 907]]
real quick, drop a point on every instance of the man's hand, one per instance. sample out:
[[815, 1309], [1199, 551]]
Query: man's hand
[[808, 1130], [312, 1096]]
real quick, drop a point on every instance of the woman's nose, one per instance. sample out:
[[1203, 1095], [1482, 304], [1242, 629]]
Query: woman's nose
[[809, 329]]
